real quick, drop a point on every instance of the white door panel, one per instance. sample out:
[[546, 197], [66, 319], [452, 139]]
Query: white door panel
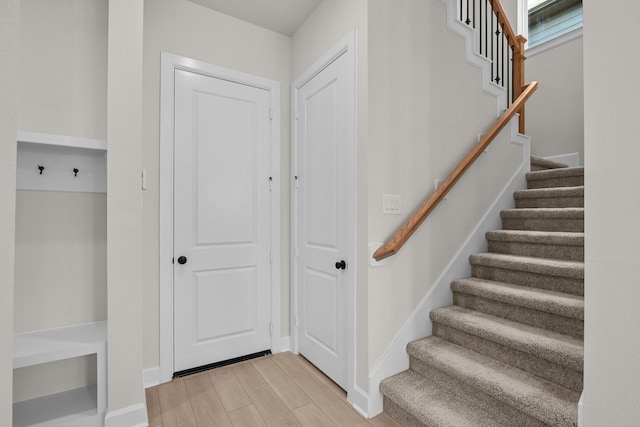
[[221, 220], [322, 219]]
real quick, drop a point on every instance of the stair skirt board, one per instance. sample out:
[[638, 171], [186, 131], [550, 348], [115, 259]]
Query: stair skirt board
[[396, 359]]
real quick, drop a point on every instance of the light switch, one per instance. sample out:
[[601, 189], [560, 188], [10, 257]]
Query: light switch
[[391, 204]]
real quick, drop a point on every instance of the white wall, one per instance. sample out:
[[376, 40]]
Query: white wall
[[323, 29], [63, 67], [187, 29], [9, 34], [612, 210], [426, 109], [60, 265], [555, 113], [60, 259]]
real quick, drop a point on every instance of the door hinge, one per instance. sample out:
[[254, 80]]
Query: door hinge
[[270, 113], [297, 114], [297, 181], [270, 328], [270, 183]]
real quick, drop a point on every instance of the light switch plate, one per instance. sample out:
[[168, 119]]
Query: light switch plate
[[391, 204]]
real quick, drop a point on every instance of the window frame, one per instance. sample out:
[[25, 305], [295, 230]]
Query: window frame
[[523, 28]]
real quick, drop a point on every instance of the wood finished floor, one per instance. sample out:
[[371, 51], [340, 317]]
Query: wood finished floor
[[273, 391]]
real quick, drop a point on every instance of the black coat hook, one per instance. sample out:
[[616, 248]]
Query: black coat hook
[[75, 171], [41, 169]]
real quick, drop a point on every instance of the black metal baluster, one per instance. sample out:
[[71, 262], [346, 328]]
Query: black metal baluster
[[460, 10], [508, 72], [492, 59], [474, 14], [486, 26], [480, 21], [468, 21], [497, 49], [502, 55]]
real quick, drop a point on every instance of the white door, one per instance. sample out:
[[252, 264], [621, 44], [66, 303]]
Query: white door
[[222, 276], [323, 230]]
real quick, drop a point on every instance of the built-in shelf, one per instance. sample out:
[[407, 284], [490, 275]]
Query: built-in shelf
[[62, 140], [48, 162], [77, 408], [80, 407]]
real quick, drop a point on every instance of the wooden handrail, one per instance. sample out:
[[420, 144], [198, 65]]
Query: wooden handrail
[[412, 224]]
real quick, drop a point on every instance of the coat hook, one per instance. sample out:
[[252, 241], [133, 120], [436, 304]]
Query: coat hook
[[41, 169], [75, 171]]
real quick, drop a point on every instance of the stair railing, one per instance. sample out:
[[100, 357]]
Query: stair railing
[[402, 235], [497, 42], [494, 31]]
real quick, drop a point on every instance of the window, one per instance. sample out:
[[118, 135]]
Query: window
[[548, 19]]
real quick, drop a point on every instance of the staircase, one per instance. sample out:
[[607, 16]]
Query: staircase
[[509, 352]]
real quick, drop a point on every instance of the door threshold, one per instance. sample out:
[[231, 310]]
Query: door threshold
[[211, 366]]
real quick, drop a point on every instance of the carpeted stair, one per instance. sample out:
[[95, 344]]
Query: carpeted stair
[[509, 352]]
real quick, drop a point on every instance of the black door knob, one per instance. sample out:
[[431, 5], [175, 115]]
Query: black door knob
[[182, 260], [341, 265]]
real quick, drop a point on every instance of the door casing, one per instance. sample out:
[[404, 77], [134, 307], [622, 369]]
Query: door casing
[[170, 63], [345, 47]]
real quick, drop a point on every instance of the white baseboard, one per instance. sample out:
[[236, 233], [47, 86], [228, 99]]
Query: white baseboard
[[581, 411], [359, 399], [571, 159], [285, 344], [396, 359], [131, 416], [151, 377]]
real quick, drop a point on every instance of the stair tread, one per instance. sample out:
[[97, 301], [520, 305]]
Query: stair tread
[[557, 348], [534, 193], [547, 266], [540, 237], [546, 163], [430, 403], [559, 303], [555, 173], [545, 213], [528, 393]]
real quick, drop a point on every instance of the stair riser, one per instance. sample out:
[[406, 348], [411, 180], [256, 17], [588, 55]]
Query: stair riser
[[533, 280], [561, 375], [562, 252], [573, 225], [505, 413], [400, 415], [550, 202], [528, 316], [569, 181]]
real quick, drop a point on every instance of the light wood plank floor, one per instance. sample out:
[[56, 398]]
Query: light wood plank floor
[[273, 391]]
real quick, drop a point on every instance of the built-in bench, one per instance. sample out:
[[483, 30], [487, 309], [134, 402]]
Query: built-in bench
[[84, 406]]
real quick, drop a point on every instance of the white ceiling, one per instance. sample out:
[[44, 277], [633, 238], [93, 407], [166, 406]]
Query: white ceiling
[[282, 16]]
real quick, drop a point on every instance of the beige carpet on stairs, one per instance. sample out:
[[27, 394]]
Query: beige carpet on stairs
[[509, 352]]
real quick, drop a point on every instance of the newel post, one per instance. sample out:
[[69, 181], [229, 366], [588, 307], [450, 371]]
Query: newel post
[[518, 73]]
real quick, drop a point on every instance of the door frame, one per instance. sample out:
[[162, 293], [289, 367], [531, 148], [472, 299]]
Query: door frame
[[170, 63], [345, 47]]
